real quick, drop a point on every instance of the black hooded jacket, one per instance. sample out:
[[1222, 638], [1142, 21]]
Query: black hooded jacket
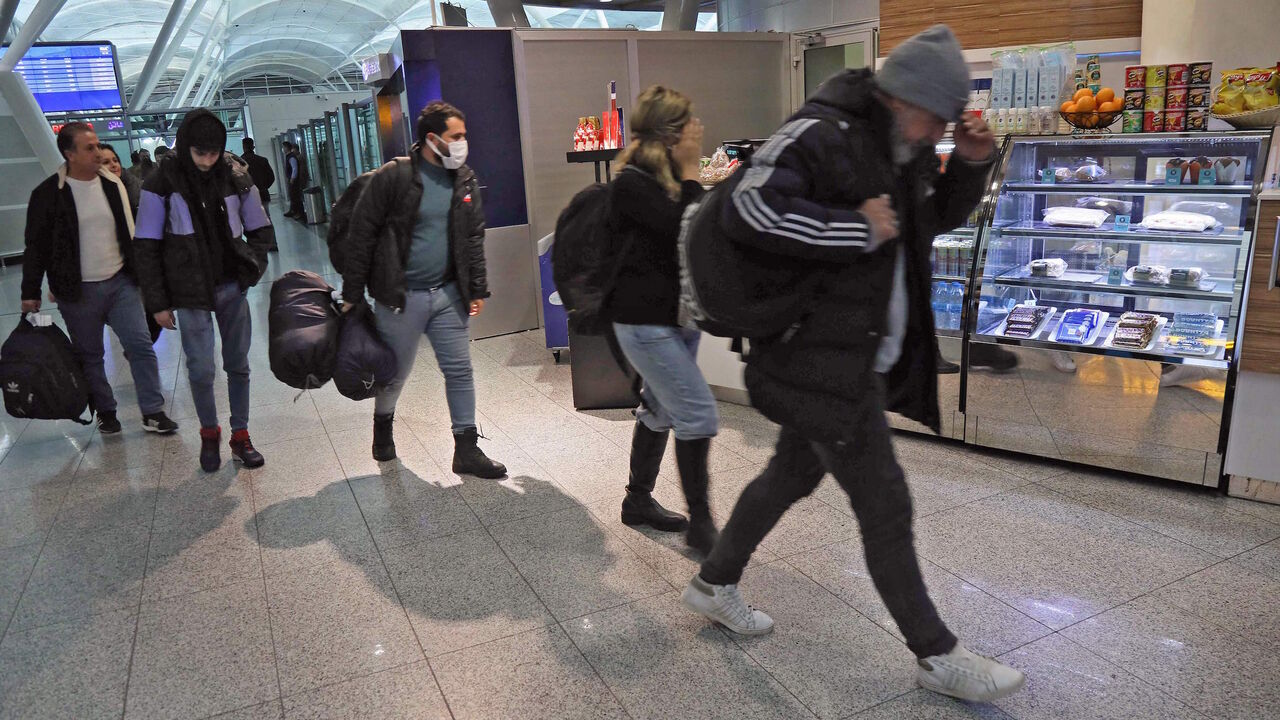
[[197, 230], [798, 199]]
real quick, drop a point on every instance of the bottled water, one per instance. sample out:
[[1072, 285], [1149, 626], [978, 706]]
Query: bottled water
[[939, 303], [955, 305]]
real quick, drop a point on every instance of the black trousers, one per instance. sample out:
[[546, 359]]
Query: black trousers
[[295, 198], [867, 470]]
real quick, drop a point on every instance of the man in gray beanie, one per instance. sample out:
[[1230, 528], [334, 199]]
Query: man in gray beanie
[[848, 192]]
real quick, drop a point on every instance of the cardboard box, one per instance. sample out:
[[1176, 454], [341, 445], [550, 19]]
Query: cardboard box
[[1032, 92], [1050, 86], [1019, 88], [1002, 88]]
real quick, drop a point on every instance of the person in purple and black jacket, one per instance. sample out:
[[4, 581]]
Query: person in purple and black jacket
[[201, 242]]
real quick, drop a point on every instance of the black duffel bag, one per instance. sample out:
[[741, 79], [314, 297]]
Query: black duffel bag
[[41, 377], [365, 363], [303, 327]]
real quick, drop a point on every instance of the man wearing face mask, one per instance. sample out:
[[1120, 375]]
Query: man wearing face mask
[[417, 245], [850, 187]]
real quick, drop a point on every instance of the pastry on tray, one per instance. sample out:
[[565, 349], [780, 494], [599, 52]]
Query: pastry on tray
[[1187, 277], [1049, 267], [1149, 274], [1135, 330], [1077, 326], [1023, 320]]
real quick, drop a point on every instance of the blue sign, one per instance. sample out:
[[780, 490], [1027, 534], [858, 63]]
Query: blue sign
[[1122, 223]]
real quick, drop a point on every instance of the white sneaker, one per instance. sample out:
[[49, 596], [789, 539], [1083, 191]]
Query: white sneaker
[[724, 604], [1184, 375], [968, 676], [1063, 362]]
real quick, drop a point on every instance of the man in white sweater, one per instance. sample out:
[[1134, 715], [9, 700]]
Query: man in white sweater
[[80, 233]]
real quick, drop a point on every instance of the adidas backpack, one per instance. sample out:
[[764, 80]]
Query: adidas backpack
[[40, 376], [732, 289]]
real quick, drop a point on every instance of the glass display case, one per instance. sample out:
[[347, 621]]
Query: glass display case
[[1113, 266]]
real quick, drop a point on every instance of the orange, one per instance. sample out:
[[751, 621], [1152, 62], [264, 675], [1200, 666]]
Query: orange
[[1112, 106], [1067, 106], [1081, 93], [1106, 94], [1086, 104]]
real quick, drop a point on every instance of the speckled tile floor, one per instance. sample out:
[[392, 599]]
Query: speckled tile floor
[[322, 585]]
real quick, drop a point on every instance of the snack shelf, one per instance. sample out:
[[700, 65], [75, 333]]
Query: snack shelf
[[1215, 361], [1219, 236], [1126, 189], [1224, 290]]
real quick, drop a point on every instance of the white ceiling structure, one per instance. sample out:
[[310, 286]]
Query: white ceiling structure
[[215, 44]]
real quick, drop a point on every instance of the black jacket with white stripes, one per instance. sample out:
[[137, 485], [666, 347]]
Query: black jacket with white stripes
[[798, 198]]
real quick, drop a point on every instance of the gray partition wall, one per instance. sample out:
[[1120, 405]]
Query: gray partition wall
[[739, 82]]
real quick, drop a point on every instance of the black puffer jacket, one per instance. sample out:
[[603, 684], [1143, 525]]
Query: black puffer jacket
[[797, 199], [381, 232], [175, 269], [53, 235]]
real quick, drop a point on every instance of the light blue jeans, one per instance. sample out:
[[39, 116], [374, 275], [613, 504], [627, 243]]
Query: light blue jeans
[[114, 302], [443, 317], [231, 310], [675, 394]]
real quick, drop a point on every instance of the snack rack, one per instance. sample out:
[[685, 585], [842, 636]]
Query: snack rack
[[1112, 397]]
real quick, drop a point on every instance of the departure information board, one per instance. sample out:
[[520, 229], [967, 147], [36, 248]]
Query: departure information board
[[71, 77]]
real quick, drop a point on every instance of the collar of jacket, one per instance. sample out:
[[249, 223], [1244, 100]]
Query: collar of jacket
[[460, 175], [105, 174]]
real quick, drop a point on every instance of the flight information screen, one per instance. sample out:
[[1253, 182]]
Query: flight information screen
[[71, 78]]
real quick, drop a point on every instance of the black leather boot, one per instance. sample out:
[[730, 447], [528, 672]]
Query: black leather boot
[[469, 459], [691, 458], [639, 507], [384, 443]]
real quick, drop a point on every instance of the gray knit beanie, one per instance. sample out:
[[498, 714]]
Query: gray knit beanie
[[928, 70]]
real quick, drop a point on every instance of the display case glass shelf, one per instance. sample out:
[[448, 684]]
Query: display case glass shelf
[[1152, 231]]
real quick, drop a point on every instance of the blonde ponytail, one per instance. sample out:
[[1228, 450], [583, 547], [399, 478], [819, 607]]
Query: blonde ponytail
[[656, 124]]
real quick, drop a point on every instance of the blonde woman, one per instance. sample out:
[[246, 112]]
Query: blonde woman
[[658, 180]]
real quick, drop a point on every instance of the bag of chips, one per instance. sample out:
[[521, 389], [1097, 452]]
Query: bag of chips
[[1260, 89], [1231, 92]]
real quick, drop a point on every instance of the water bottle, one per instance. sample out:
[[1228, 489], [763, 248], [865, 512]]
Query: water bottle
[[939, 303], [955, 305]]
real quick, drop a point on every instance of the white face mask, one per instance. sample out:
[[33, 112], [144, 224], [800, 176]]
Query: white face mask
[[457, 153]]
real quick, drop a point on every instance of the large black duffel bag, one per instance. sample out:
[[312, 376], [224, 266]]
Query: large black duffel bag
[[41, 377], [303, 326], [365, 363]]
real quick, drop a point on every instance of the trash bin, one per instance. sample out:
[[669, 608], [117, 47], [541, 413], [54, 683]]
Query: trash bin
[[313, 205], [555, 323]]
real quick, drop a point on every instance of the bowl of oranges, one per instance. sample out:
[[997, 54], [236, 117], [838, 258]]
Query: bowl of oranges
[[1086, 111]]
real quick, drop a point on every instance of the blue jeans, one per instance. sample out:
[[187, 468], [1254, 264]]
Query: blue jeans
[[231, 310], [114, 303], [443, 317], [675, 394]]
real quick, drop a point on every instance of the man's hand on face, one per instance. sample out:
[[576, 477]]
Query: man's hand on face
[[974, 140]]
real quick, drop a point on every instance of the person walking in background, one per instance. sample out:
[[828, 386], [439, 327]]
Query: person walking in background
[[111, 161], [862, 141], [142, 167], [296, 173], [657, 181], [80, 233], [417, 246], [260, 169], [192, 259]]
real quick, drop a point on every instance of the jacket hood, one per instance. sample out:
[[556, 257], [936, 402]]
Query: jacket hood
[[851, 91], [183, 144]]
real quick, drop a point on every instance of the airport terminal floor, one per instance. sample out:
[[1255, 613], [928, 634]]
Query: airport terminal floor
[[132, 585]]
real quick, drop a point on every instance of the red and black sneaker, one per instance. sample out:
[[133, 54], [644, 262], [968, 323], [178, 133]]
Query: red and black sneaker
[[211, 448], [242, 450]]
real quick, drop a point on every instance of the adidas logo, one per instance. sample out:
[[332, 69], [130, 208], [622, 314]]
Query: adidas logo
[[12, 388]]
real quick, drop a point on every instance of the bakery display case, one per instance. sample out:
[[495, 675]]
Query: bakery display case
[[1113, 266]]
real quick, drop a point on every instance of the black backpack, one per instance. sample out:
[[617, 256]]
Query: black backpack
[[41, 377], [303, 330], [730, 289], [365, 364], [584, 261], [340, 214]]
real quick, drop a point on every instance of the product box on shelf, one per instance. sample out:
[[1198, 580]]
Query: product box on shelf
[[1049, 85], [1019, 88]]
